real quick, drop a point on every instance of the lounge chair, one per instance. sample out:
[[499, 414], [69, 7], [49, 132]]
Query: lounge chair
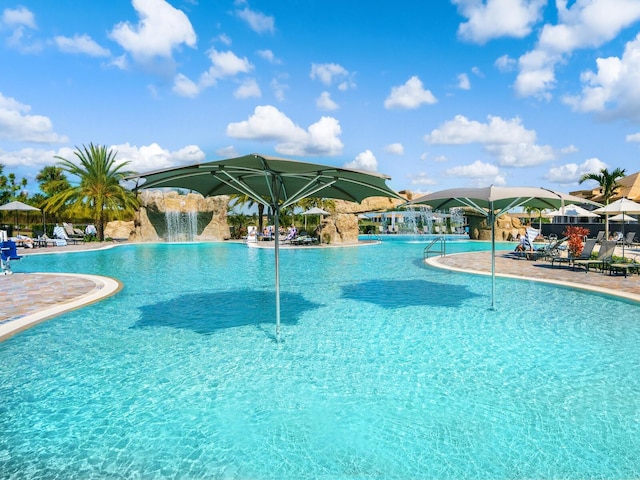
[[73, 233], [600, 236], [589, 245], [8, 252], [60, 234], [605, 254], [551, 250], [628, 239], [625, 267]]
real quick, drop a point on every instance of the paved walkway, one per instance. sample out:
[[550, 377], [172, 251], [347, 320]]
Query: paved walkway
[[509, 266]]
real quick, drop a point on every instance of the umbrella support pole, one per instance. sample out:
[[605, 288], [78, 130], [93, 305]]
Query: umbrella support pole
[[276, 223], [492, 218]]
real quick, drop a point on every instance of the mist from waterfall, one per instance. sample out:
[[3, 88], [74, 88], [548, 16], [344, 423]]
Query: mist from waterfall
[[181, 226]]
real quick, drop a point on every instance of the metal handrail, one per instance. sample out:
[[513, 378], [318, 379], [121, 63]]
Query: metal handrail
[[440, 242]]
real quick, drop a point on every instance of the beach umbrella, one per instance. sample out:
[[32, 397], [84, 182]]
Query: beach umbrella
[[274, 182], [572, 211], [621, 206], [313, 211], [493, 202], [621, 218], [18, 207]]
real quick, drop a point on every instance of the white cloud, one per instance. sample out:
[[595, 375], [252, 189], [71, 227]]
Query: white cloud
[[585, 24], [185, 87], [633, 137], [18, 126], [409, 96], [507, 140], [279, 87], [463, 82], [364, 161], [498, 18], [19, 22], [269, 124], [479, 173], [268, 56], [569, 149], [422, 178], [160, 30], [227, 152], [154, 157], [81, 44], [461, 130], [394, 149], [330, 73], [614, 85], [570, 173], [324, 102], [33, 157], [223, 65], [505, 63], [521, 154], [248, 89], [18, 17], [257, 21]]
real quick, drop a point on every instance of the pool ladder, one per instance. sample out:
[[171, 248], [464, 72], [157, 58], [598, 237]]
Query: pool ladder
[[437, 246]]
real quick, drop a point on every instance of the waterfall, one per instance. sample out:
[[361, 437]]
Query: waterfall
[[181, 226]]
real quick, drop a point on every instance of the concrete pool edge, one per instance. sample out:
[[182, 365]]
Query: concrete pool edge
[[104, 287], [437, 262]]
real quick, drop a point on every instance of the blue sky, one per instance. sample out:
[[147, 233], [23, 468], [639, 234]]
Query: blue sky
[[436, 94]]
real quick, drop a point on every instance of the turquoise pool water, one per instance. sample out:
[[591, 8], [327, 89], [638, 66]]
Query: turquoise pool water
[[388, 369]]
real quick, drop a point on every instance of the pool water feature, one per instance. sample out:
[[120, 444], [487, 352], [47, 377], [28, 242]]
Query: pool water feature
[[387, 369]]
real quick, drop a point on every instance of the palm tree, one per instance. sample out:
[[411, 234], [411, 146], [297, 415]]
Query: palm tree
[[243, 199], [608, 187], [98, 193]]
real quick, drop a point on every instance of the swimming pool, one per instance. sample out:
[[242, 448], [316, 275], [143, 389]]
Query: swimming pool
[[388, 369]]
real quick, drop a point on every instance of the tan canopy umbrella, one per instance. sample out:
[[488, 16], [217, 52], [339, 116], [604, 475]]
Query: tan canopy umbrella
[[274, 182], [18, 207], [492, 202]]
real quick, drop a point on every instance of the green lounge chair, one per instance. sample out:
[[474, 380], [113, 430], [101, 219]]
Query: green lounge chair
[[605, 254]]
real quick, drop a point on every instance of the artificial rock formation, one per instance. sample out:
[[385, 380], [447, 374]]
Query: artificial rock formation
[[211, 215], [341, 227]]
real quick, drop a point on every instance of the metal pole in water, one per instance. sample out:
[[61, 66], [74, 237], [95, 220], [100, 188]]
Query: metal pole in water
[[276, 222]]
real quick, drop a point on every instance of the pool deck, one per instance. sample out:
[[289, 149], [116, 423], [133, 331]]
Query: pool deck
[[507, 265], [29, 298]]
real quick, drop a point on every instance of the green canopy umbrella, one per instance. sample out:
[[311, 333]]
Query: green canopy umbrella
[[18, 207], [274, 182], [492, 202]]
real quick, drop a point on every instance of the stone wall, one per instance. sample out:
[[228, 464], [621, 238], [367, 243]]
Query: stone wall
[[211, 218]]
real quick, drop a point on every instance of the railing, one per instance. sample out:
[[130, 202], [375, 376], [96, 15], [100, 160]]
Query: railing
[[437, 246], [374, 237]]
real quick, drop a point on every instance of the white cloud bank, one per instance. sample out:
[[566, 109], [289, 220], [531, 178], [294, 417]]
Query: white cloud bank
[[585, 24], [570, 173], [614, 85], [508, 141], [267, 124], [17, 125]]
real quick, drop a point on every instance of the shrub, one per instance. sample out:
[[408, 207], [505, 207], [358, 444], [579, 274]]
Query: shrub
[[575, 234]]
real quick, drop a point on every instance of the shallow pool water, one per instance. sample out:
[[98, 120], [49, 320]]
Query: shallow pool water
[[387, 369]]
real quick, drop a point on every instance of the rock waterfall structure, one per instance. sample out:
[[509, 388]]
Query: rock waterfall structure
[[174, 217]]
